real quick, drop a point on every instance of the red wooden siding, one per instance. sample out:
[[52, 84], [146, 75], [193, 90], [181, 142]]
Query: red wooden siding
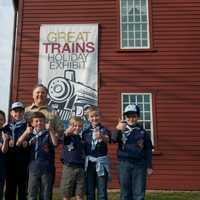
[[171, 71]]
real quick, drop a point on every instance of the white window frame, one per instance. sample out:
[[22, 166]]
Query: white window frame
[[142, 110], [134, 23]]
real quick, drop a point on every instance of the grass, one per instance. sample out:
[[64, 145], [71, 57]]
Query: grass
[[173, 196], [154, 196]]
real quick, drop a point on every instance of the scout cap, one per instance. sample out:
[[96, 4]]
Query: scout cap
[[16, 105], [132, 109]]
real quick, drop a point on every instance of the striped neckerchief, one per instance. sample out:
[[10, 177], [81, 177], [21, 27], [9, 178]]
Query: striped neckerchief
[[94, 140], [128, 130], [14, 125], [36, 139]]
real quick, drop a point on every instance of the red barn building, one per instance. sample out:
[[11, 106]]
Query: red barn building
[[149, 53]]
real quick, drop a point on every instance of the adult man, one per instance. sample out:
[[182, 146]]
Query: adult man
[[40, 104]]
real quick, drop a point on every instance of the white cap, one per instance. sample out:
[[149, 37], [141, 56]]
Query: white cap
[[130, 108], [17, 104]]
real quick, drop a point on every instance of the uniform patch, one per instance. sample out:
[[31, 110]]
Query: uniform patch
[[142, 132], [45, 148]]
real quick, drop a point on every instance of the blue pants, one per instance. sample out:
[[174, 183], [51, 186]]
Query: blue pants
[[94, 181], [132, 179], [39, 184]]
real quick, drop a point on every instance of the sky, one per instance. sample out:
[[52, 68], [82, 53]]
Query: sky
[[6, 43]]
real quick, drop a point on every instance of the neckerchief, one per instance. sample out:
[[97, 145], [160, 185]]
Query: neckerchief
[[94, 140], [128, 130], [36, 139], [15, 125]]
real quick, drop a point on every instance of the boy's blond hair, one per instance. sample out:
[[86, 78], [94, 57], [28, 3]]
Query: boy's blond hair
[[91, 109], [75, 119], [3, 114]]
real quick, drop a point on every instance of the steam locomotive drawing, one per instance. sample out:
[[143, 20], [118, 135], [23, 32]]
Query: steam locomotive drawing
[[69, 97]]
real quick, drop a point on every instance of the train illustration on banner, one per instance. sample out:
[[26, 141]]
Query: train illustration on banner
[[70, 97]]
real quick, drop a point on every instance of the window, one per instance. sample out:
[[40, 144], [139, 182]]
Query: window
[[144, 101], [134, 24]]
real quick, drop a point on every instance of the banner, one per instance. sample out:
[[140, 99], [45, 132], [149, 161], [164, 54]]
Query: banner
[[68, 66]]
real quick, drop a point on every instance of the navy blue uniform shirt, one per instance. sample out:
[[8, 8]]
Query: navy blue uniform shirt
[[16, 156], [73, 150], [134, 145], [42, 150], [98, 149], [15, 130], [2, 160]]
